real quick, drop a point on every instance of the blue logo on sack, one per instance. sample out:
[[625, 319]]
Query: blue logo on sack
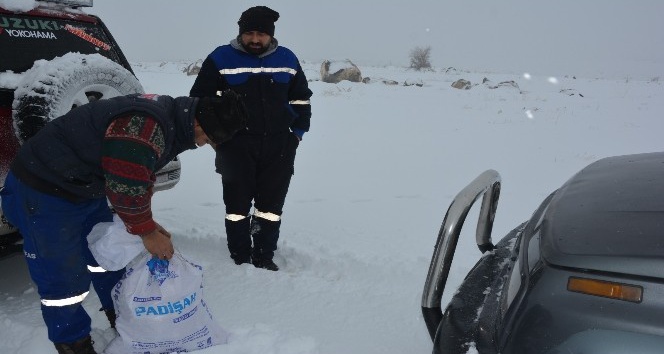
[[159, 270]]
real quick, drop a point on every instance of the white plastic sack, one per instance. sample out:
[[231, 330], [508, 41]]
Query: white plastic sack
[[160, 308], [112, 246]]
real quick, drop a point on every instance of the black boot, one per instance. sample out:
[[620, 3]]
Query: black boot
[[265, 234], [81, 346], [240, 260], [110, 314], [239, 240], [264, 263]]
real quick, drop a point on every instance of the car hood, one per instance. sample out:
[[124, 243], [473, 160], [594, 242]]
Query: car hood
[[609, 217]]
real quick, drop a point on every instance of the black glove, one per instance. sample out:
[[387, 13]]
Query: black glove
[[235, 111], [222, 116]]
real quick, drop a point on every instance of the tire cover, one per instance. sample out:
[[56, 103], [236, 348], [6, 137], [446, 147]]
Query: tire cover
[[53, 87]]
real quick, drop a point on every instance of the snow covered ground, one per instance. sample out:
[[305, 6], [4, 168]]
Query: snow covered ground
[[372, 182]]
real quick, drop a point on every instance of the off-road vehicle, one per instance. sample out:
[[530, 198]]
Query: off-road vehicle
[[56, 57], [582, 275]]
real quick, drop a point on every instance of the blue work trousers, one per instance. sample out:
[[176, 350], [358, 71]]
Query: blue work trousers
[[55, 247]]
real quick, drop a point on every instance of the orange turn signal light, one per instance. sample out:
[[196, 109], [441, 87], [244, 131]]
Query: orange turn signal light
[[603, 288]]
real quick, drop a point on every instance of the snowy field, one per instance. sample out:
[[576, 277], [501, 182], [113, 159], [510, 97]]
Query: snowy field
[[372, 182]]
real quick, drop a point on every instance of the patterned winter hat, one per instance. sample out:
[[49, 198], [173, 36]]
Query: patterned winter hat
[[258, 18]]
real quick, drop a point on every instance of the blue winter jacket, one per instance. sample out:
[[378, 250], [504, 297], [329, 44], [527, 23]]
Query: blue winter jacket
[[273, 86]]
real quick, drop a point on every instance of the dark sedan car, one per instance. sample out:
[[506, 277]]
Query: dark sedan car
[[585, 274]]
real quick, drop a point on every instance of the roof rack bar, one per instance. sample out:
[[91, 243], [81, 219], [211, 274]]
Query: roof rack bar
[[72, 3]]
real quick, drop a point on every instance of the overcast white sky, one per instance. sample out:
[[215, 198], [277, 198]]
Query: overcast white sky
[[563, 37], [560, 37]]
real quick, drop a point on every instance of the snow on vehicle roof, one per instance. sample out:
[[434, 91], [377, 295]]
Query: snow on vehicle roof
[[18, 5], [27, 5]]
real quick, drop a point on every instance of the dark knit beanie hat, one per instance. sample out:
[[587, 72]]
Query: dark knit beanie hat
[[258, 18], [221, 117]]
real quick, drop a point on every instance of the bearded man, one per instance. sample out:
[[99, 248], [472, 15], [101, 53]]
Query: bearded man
[[257, 164]]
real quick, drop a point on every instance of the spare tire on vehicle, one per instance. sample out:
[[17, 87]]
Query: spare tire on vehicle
[[52, 88]]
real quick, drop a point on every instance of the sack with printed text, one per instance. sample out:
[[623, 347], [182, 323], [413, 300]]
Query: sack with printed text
[[160, 308]]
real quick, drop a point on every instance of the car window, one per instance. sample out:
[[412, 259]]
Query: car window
[[33, 38]]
